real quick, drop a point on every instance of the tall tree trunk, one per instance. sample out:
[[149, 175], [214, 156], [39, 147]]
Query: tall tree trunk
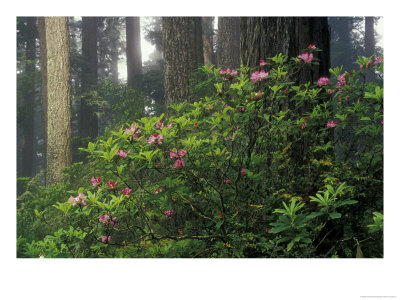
[[228, 42], [208, 34], [88, 117], [29, 100], [59, 98], [264, 37], [133, 51], [183, 54], [114, 40], [43, 72], [369, 42]]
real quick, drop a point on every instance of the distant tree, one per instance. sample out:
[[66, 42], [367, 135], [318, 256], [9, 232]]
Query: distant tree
[[133, 51], [208, 35], [228, 42], [58, 98], [88, 118], [369, 42], [183, 54], [263, 37], [26, 118]]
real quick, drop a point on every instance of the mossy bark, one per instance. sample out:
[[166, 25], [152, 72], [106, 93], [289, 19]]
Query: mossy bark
[[59, 98]]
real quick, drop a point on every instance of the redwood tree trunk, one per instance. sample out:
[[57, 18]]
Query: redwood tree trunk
[[228, 42], [265, 37], [208, 34], [183, 54], [43, 69], [133, 51], [369, 42], [88, 117], [59, 98], [29, 99]]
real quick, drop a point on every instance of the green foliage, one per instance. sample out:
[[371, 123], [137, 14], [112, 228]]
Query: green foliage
[[251, 170]]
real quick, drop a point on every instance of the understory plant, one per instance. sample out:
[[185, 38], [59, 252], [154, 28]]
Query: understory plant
[[265, 167]]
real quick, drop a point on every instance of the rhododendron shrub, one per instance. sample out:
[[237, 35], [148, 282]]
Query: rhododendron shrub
[[237, 174]]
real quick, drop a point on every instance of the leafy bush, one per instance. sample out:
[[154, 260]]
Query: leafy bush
[[263, 168]]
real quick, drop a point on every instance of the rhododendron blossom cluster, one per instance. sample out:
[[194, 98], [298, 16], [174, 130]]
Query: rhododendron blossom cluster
[[228, 74], [133, 131], [307, 57], [160, 125], [341, 80], [379, 59], [112, 184], [331, 124], [262, 62], [106, 219], [106, 239], [312, 46], [158, 191], [323, 81], [258, 76], [155, 138], [169, 213], [121, 153], [78, 200], [126, 191], [95, 181], [257, 95]]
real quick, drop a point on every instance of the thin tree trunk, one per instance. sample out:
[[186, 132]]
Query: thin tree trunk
[[208, 34], [43, 69], [29, 100], [228, 42], [369, 42], [133, 51], [88, 117], [183, 54], [59, 98]]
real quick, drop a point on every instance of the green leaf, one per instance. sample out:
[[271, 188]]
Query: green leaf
[[335, 215]]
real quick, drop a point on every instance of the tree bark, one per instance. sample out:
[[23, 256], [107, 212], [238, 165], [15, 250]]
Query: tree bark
[[369, 42], [228, 42], [133, 51], [265, 37], [59, 98], [114, 41], [208, 34], [88, 117], [29, 100], [43, 69], [183, 54]]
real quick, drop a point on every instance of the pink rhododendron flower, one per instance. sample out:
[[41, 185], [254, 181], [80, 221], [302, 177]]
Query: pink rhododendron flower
[[241, 109], [303, 125], [331, 124], [262, 62], [243, 171], [267, 229], [169, 213], [228, 74], [195, 124], [160, 125], [227, 180], [157, 191], [95, 181], [112, 184], [133, 131], [312, 46], [78, 200], [258, 76], [106, 239], [228, 138], [323, 81], [179, 164], [126, 191], [106, 219], [307, 57], [379, 59], [305, 119], [155, 137], [180, 153], [170, 125], [330, 91], [341, 80], [121, 153]]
